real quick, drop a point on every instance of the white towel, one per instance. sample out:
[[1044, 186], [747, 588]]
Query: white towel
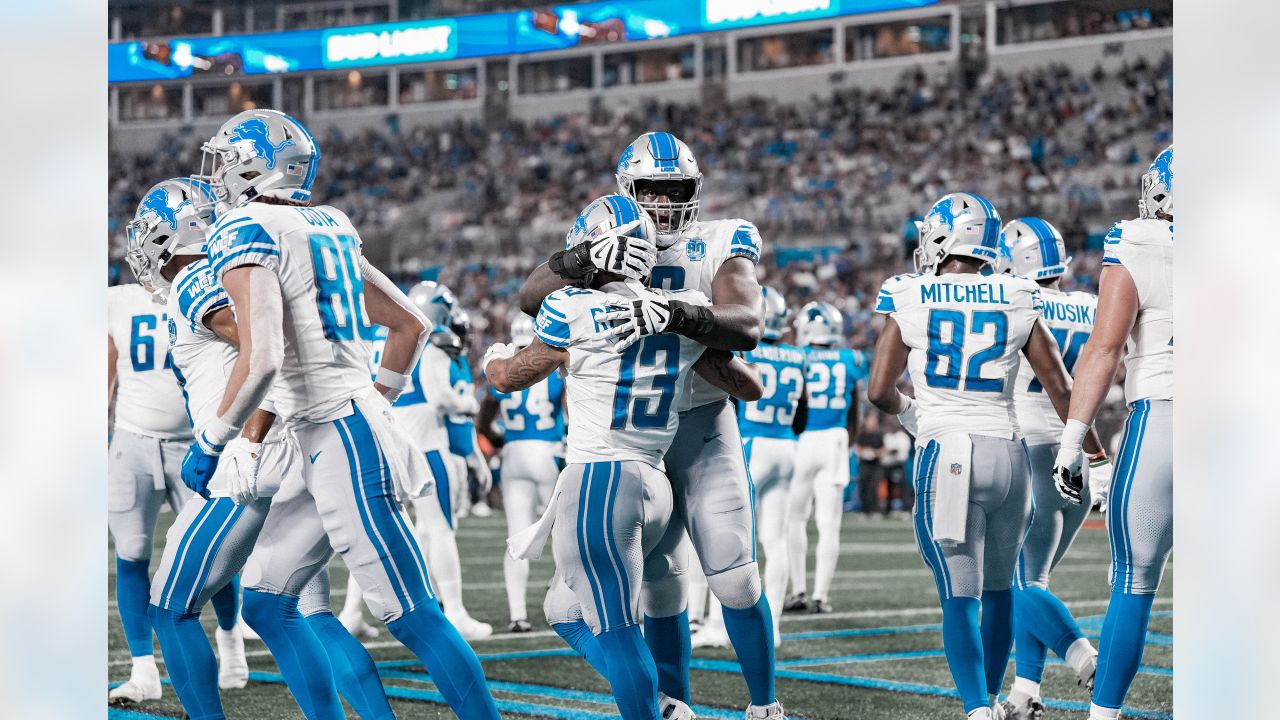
[[409, 471], [529, 543], [951, 486]]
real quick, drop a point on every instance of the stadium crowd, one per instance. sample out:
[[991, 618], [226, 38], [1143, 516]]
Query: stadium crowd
[[833, 184]]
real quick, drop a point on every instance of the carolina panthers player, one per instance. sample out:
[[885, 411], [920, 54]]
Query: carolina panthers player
[[769, 439], [532, 429], [429, 398], [461, 427], [217, 528], [707, 468], [297, 274], [613, 501], [1135, 317], [959, 334], [151, 435], [830, 411], [1032, 248]]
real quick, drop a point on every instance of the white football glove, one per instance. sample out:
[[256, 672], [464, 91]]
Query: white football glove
[[495, 351], [1100, 472], [636, 318], [623, 254], [907, 417], [484, 476], [240, 460]]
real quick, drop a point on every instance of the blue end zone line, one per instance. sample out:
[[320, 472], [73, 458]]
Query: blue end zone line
[[118, 714], [923, 654]]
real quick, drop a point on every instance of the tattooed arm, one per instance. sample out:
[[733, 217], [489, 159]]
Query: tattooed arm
[[730, 374], [525, 368]]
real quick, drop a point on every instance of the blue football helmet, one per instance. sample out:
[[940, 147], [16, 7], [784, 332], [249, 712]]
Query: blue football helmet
[[435, 301], [261, 153], [657, 163], [776, 313], [173, 219], [819, 323], [1156, 201], [1032, 248], [958, 224]]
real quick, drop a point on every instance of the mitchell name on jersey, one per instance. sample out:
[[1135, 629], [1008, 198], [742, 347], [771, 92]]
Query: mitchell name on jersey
[[692, 263], [1144, 247], [623, 405], [965, 333]]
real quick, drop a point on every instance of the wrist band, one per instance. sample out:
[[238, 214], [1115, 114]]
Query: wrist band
[[391, 379], [1098, 458], [692, 321]]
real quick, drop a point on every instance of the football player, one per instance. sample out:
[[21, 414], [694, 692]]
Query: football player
[[707, 469], [959, 334], [1032, 248], [461, 427], [429, 398], [297, 274], [151, 436], [532, 430], [1134, 321], [217, 527], [613, 502], [822, 453]]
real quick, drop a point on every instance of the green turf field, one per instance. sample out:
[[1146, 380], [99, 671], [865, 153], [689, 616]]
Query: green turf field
[[879, 655]]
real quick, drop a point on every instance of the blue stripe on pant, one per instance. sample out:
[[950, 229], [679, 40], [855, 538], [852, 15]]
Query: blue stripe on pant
[[597, 546], [1117, 516], [197, 552], [930, 550], [380, 513], [440, 472]]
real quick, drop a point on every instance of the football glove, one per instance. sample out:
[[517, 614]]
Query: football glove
[[650, 313], [617, 253], [197, 469], [907, 417], [496, 351], [1100, 482], [1068, 475], [241, 458]]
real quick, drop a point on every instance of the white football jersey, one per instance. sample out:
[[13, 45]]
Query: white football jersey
[[692, 263], [1145, 248], [428, 396], [1070, 319], [201, 360], [622, 406], [148, 397], [965, 333], [315, 251]]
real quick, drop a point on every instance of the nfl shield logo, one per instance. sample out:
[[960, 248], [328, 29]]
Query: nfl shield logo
[[695, 249], [956, 468]]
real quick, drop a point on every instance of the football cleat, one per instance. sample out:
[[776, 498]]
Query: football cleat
[[520, 626], [1084, 678], [1031, 709], [670, 708], [356, 625], [710, 635], [470, 628], [821, 607], [772, 711], [143, 685], [798, 602], [481, 509], [233, 667]]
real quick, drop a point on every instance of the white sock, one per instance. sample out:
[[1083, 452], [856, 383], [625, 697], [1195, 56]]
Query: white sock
[[1023, 689], [993, 698], [353, 605], [1101, 713], [1079, 653]]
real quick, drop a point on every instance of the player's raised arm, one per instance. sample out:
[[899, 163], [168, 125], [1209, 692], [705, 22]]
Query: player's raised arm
[[510, 371], [540, 283], [1042, 352], [737, 322], [407, 329], [621, 253], [730, 373], [1101, 355]]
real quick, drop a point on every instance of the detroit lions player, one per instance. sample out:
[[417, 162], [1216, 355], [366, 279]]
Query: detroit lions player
[[461, 427], [707, 468], [822, 453], [959, 334], [1032, 248], [532, 422], [1135, 317], [297, 274], [770, 443], [429, 397], [151, 435], [613, 501]]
